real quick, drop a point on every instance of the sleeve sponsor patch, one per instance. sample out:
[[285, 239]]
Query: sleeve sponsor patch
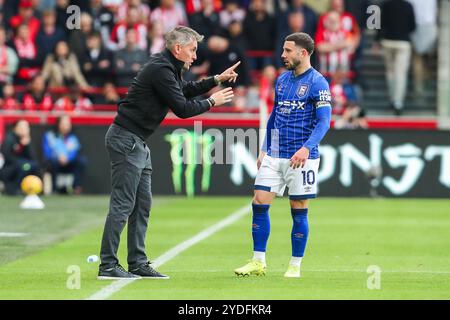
[[323, 104], [324, 95]]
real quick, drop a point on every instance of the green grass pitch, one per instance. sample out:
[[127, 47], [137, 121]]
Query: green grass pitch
[[407, 239]]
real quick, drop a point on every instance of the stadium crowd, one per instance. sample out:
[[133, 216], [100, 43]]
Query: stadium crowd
[[46, 65]]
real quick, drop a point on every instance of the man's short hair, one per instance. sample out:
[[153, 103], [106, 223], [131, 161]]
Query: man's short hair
[[181, 35], [302, 40]]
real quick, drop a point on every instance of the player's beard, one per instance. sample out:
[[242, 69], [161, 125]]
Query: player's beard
[[293, 65]]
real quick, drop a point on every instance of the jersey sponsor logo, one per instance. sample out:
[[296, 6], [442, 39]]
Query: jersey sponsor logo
[[302, 90], [298, 105], [292, 104], [324, 95], [284, 110]]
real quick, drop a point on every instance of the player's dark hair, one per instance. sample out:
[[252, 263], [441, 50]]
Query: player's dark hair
[[302, 40]]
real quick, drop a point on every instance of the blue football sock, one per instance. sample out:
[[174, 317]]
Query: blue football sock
[[300, 230], [260, 226]]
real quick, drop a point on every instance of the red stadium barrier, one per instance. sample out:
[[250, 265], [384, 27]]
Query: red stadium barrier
[[211, 120], [62, 90]]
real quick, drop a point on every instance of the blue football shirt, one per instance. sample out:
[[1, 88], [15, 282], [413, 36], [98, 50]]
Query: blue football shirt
[[294, 116]]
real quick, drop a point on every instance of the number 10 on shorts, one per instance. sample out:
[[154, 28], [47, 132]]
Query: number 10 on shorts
[[308, 177]]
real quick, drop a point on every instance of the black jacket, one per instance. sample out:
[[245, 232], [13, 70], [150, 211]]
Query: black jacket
[[157, 87], [397, 20], [96, 75], [13, 151]]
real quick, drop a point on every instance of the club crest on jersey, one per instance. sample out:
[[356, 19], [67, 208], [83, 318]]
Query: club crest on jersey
[[302, 90]]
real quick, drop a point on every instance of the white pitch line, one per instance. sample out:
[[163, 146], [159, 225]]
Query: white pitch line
[[12, 235], [117, 285]]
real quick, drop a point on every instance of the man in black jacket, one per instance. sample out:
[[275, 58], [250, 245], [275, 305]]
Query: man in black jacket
[[157, 87], [397, 23], [19, 160]]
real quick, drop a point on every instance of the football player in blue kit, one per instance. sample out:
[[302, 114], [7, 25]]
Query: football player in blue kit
[[290, 155]]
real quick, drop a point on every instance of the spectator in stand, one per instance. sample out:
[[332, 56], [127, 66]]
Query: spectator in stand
[[73, 101], [36, 98], [310, 17], [423, 40], [267, 87], [26, 16], [62, 68], [8, 60], [235, 34], [96, 64], [61, 149], [395, 40], [348, 23], [296, 23], [78, 38], [19, 158], [342, 91], [8, 101], [354, 117], [258, 25], [223, 53], [133, 21], [49, 34], [109, 96], [103, 21], [143, 8], [171, 13], [335, 46], [156, 42], [129, 60], [30, 59], [207, 21], [231, 12]]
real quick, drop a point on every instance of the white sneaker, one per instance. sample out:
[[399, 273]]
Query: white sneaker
[[292, 272]]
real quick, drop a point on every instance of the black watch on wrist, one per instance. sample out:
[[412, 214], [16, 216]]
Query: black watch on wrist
[[212, 102]]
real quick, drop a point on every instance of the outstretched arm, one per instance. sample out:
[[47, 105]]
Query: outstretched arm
[[195, 88]]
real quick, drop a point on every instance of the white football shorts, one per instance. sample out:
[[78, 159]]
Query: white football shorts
[[275, 174]]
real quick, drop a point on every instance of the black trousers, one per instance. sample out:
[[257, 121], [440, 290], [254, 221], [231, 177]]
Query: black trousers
[[130, 199]]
